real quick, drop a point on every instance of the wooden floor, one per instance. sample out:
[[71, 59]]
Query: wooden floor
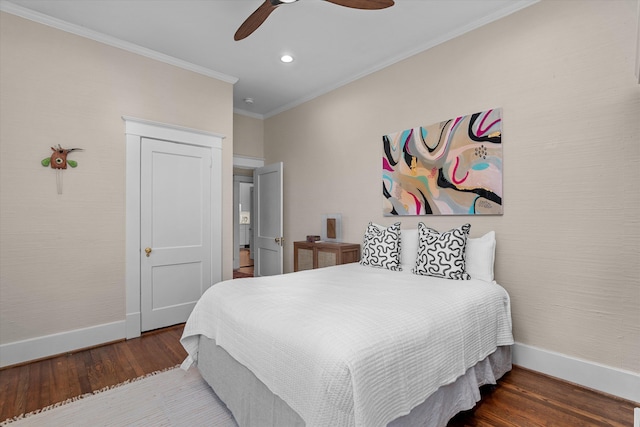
[[25, 388], [521, 398], [243, 272], [526, 398]]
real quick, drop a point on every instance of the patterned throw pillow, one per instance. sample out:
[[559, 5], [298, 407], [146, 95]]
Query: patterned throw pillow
[[442, 254], [381, 247]]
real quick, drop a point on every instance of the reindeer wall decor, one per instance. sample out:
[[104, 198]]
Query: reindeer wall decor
[[59, 162]]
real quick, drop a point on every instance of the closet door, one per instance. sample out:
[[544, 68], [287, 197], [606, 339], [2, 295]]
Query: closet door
[[175, 230]]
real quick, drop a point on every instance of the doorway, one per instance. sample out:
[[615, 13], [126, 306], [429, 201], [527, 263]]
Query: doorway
[[137, 131], [243, 223], [243, 168], [267, 217]]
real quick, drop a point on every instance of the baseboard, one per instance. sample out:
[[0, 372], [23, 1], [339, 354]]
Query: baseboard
[[133, 325], [49, 345], [599, 377]]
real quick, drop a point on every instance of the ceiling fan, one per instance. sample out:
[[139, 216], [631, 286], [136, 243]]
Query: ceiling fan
[[261, 13]]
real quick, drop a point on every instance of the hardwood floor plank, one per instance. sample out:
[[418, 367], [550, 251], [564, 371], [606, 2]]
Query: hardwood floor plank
[[94, 370], [149, 363], [109, 373], [78, 366], [59, 379], [8, 383], [23, 388], [67, 377], [128, 359], [168, 345], [123, 360], [46, 384], [32, 401], [522, 397]]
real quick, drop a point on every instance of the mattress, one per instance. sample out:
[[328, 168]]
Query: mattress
[[352, 345]]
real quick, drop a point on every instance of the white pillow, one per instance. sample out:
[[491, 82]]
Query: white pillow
[[409, 250], [480, 256]]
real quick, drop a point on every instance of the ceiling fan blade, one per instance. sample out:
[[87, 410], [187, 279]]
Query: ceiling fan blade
[[364, 4], [255, 19]]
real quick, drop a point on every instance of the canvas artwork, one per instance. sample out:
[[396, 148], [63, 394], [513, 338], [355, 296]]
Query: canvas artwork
[[449, 168]]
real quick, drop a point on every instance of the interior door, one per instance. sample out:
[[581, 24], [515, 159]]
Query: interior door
[[267, 228], [175, 230]]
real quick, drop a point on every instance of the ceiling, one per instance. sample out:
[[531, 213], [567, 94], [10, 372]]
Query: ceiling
[[331, 45]]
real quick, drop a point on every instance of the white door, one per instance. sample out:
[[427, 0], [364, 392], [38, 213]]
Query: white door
[[175, 230], [267, 227]]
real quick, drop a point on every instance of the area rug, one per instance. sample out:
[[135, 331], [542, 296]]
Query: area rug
[[170, 398]]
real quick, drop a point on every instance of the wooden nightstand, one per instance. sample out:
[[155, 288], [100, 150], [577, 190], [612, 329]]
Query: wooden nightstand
[[323, 254]]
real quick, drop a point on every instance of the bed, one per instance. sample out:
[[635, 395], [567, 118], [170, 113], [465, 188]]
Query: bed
[[350, 345]]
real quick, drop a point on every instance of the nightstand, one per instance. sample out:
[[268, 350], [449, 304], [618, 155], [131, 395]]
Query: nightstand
[[307, 255]]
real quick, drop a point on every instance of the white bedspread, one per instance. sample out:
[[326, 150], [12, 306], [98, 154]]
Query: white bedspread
[[352, 345]]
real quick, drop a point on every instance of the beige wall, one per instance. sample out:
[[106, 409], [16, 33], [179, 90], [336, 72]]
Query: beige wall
[[569, 240], [248, 136], [62, 257]]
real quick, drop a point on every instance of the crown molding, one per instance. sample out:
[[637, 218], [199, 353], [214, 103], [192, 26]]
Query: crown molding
[[515, 6], [248, 113], [14, 9]]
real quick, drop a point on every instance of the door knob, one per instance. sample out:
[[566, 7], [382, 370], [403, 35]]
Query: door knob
[[280, 240], [148, 251]]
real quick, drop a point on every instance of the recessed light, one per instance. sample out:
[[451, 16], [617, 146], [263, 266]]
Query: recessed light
[[286, 58], [248, 100]]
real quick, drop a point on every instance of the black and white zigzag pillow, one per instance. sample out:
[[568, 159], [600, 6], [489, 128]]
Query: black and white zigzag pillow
[[381, 247], [442, 254]]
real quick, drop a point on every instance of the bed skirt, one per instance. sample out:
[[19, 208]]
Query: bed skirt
[[254, 405]]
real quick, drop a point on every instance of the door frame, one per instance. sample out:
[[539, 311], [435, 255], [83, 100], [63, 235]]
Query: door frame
[[135, 130]]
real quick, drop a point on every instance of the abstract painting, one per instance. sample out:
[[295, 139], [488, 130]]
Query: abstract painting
[[449, 168]]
